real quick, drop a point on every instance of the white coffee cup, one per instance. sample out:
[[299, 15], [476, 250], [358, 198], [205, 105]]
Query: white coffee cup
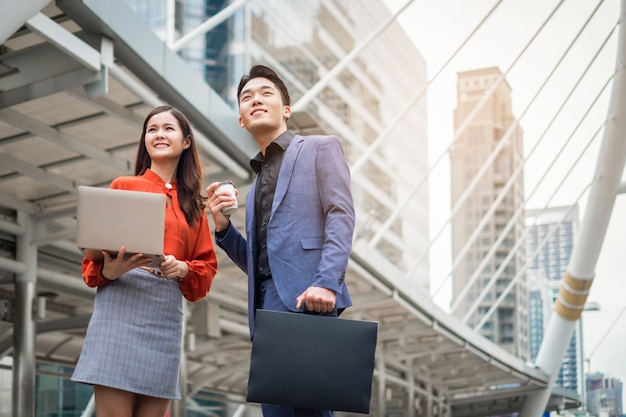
[[228, 184]]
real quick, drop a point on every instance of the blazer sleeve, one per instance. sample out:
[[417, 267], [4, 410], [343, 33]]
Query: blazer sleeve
[[235, 246], [333, 176]]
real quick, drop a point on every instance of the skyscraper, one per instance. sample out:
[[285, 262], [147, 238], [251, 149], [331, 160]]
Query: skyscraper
[[604, 395], [540, 304], [487, 199], [551, 234]]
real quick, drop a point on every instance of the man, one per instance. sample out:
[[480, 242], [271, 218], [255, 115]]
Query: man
[[299, 214]]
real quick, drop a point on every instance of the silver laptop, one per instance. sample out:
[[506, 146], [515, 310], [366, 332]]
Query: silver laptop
[[108, 219]]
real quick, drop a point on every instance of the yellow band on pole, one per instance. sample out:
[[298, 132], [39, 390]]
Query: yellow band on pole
[[570, 302], [577, 284]]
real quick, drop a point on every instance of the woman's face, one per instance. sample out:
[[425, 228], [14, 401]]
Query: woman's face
[[164, 138]]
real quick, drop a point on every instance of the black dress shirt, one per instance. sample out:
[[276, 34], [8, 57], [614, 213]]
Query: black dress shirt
[[267, 168]]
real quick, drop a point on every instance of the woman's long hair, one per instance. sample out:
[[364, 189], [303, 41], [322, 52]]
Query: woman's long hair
[[189, 170]]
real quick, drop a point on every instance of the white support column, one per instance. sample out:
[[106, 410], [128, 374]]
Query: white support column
[[382, 386], [410, 395], [580, 272], [178, 408], [24, 323], [170, 21], [429, 399]]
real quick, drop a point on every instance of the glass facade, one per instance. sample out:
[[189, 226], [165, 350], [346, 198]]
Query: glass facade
[[539, 304], [604, 395], [57, 396]]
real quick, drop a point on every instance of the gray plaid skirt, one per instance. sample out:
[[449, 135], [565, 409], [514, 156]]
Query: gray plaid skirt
[[134, 337]]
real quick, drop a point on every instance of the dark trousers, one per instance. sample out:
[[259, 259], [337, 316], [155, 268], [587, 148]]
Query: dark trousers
[[269, 300]]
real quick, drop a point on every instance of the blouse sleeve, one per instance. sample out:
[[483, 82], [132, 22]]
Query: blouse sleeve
[[92, 273], [202, 266]]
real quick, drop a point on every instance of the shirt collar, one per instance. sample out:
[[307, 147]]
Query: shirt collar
[[280, 143]]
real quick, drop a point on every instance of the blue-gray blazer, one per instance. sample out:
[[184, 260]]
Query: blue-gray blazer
[[311, 225]]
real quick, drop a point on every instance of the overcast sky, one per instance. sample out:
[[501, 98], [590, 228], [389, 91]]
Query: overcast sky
[[438, 28]]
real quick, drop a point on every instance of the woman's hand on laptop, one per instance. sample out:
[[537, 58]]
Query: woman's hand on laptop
[[173, 268], [114, 267]]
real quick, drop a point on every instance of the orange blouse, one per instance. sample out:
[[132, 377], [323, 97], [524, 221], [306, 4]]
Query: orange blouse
[[191, 244]]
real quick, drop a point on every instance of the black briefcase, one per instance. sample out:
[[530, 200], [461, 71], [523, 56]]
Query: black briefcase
[[310, 361]]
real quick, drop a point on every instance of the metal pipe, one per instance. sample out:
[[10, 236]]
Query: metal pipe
[[13, 228], [178, 408], [24, 324], [345, 61], [13, 266], [90, 409], [209, 24]]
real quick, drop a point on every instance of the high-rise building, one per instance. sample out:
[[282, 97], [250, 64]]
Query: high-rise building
[[487, 200], [604, 395], [550, 241], [304, 41], [540, 304]]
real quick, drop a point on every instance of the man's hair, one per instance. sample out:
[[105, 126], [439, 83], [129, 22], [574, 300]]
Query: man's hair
[[261, 71]]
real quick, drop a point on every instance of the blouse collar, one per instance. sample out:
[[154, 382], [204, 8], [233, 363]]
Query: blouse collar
[[153, 176]]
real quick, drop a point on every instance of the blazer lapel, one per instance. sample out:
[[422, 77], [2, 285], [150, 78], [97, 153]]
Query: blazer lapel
[[250, 218], [286, 170]]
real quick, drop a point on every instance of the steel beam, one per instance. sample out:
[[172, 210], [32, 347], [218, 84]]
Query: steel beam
[[15, 13]]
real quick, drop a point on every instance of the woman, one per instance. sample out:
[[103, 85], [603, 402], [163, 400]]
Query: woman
[[132, 350]]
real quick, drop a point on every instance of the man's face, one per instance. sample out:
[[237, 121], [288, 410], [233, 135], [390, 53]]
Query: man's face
[[261, 107]]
